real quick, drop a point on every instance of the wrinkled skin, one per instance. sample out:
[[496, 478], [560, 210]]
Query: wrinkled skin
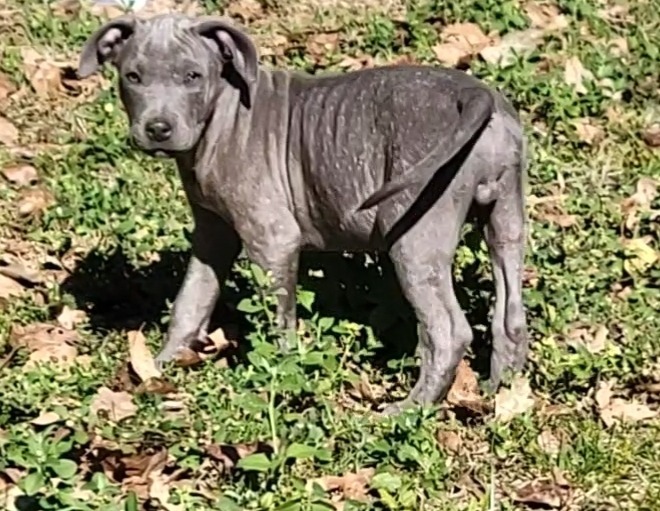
[[389, 159]]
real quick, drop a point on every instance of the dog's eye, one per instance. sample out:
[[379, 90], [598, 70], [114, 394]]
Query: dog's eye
[[192, 76], [133, 77]]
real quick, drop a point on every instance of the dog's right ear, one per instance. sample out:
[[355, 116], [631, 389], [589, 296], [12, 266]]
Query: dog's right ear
[[104, 44]]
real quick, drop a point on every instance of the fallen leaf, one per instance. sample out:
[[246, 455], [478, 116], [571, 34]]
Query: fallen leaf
[[460, 42], [7, 86], [616, 410], [545, 16], [594, 341], [66, 8], [62, 355], [69, 317], [640, 254], [33, 202], [9, 287], [450, 440], [542, 492], [142, 361], [20, 272], [587, 131], [319, 46], [159, 490], [646, 191], [42, 73], [245, 10], [651, 135], [464, 392], [156, 385], [356, 63], [514, 401], [514, 44], [228, 455], [219, 340], [575, 74], [21, 174], [117, 405], [41, 335], [8, 132], [548, 442], [619, 46], [351, 486], [46, 419], [186, 357], [364, 390], [562, 220]]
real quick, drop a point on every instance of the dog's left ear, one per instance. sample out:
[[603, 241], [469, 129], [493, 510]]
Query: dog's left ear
[[234, 46]]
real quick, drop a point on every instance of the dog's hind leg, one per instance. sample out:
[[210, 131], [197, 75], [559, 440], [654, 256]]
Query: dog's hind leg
[[505, 237], [423, 262]]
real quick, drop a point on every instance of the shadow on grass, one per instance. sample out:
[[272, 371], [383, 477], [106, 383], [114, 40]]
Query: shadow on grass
[[358, 288]]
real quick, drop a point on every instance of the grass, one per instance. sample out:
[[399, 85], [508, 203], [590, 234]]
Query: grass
[[113, 243]]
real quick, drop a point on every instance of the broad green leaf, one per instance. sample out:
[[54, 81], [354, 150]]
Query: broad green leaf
[[255, 462], [300, 451], [33, 483], [64, 469], [386, 481]]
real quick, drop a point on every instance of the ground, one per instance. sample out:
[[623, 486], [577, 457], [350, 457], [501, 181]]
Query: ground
[[94, 239]]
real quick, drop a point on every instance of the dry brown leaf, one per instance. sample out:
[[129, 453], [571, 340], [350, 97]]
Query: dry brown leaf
[[42, 72], [646, 191], [21, 174], [7, 86], [575, 74], [562, 220], [156, 385], [228, 455], [186, 357], [450, 440], [245, 10], [364, 390], [640, 254], [46, 419], [142, 361], [66, 8], [464, 392], [587, 131], [593, 340], [615, 410], [159, 489], [356, 63], [62, 355], [460, 42], [9, 287], [548, 442], [510, 403], [219, 340], [117, 405], [41, 335], [651, 135], [69, 317], [8, 132], [19, 271], [321, 45], [352, 486], [542, 492], [545, 16], [619, 46], [33, 202], [505, 51]]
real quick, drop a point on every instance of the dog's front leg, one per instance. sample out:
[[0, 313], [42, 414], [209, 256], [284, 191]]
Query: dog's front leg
[[273, 240], [215, 246]]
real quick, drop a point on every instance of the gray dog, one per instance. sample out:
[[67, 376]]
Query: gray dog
[[389, 159]]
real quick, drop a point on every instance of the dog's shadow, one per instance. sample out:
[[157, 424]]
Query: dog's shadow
[[359, 288]]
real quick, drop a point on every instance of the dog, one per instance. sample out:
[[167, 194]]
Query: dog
[[389, 159]]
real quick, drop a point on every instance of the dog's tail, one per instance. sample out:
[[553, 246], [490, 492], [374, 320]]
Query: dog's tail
[[476, 106]]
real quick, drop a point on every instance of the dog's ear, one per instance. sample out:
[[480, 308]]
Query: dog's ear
[[234, 46], [104, 44]]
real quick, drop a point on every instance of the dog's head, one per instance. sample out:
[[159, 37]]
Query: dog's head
[[171, 70]]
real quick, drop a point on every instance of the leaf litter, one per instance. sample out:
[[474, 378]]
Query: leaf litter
[[614, 410], [514, 401]]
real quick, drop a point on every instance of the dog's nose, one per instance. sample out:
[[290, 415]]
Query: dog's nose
[[158, 130]]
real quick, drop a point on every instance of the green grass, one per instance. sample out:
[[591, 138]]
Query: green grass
[[120, 224]]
